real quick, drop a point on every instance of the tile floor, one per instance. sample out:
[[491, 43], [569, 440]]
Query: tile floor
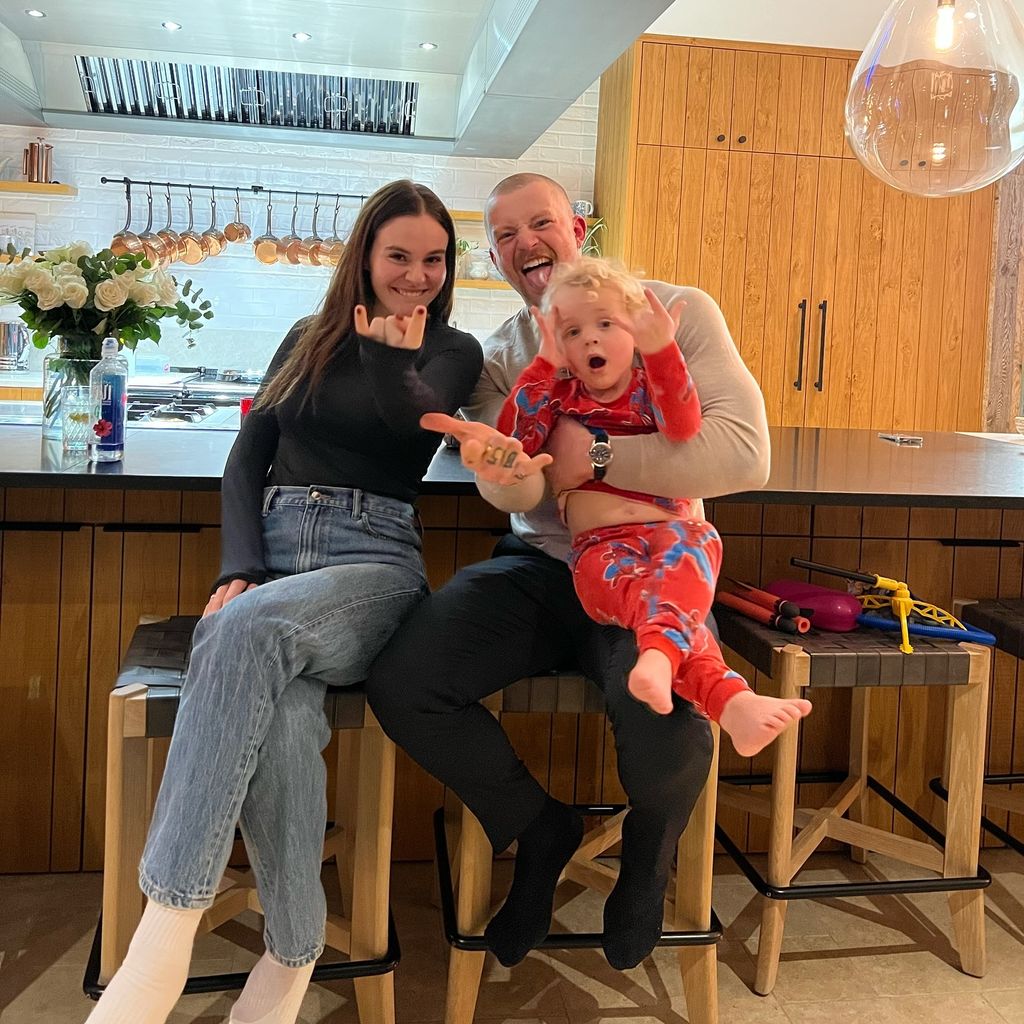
[[860, 961]]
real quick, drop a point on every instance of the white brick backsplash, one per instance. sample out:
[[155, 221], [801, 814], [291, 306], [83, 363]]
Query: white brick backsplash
[[255, 305]]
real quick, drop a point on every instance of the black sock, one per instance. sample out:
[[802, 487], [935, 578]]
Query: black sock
[[634, 912], [545, 847]]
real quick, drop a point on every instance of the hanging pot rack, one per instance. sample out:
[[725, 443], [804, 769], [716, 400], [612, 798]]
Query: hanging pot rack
[[256, 190]]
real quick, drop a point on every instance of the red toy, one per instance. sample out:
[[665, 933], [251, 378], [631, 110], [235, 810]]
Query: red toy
[[834, 610]]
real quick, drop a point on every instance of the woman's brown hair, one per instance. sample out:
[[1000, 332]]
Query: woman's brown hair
[[350, 286]]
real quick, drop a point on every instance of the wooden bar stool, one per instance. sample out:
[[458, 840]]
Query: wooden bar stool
[[465, 879], [142, 708], [862, 661], [1005, 620]]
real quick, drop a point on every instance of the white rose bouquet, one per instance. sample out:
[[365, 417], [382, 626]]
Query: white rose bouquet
[[82, 297]]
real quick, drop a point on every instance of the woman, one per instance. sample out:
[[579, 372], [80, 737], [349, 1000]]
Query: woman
[[320, 562]]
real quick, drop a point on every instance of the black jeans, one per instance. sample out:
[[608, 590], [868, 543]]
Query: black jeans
[[495, 622]]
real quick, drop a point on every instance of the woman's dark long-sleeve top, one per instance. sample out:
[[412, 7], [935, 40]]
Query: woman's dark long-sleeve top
[[360, 430]]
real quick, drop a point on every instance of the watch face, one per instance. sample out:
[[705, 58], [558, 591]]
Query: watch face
[[600, 453]]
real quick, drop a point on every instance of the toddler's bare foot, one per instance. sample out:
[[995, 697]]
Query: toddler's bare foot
[[753, 721], [650, 682]]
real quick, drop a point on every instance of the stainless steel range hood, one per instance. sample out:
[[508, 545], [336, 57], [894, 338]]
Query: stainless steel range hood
[[513, 67]]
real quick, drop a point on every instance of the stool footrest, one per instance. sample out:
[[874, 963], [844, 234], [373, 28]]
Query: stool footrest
[[554, 940], [340, 971], [824, 890], [987, 823]]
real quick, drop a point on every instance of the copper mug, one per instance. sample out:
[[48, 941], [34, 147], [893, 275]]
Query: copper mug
[[37, 162]]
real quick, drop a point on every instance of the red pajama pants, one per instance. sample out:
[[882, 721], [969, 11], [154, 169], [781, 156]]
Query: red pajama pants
[[658, 579]]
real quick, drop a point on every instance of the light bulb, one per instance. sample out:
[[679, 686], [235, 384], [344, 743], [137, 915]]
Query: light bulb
[[936, 104], [945, 23]]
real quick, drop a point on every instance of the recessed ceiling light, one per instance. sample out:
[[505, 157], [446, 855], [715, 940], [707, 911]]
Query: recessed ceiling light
[[428, 46], [302, 37], [33, 13], [171, 26]]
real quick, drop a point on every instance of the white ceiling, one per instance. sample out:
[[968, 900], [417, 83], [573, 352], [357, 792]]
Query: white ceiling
[[846, 24], [502, 72], [349, 32]]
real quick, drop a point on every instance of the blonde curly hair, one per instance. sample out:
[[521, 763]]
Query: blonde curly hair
[[594, 273]]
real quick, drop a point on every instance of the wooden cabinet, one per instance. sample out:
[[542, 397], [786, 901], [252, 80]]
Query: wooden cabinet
[[725, 166]]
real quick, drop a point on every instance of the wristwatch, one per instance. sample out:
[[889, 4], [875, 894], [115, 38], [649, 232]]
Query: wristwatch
[[600, 453]]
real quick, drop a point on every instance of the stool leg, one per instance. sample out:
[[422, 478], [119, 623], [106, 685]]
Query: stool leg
[[375, 996], [472, 908], [345, 801], [698, 965], [965, 767], [788, 670], [860, 706], [126, 823]]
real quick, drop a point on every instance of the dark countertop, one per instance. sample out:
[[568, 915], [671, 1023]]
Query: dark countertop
[[813, 466]]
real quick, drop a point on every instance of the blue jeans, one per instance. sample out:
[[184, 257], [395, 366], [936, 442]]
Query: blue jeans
[[346, 568]]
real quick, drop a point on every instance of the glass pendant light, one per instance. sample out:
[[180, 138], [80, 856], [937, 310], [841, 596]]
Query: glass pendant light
[[936, 103]]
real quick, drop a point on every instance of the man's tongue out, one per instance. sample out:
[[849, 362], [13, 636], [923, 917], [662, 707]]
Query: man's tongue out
[[538, 276]]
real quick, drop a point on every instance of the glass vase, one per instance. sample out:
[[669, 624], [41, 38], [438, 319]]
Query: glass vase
[[60, 371]]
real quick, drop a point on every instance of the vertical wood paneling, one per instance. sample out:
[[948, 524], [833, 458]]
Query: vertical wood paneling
[[71, 707], [751, 338], [723, 65], [716, 190], [744, 96], [841, 353], [645, 209], [676, 102], [779, 344], [837, 81], [812, 89], [28, 692], [866, 348], [698, 104], [908, 334], [663, 266], [949, 343], [652, 94], [801, 269], [923, 413], [977, 277], [766, 102], [734, 253], [890, 298], [691, 217], [787, 136]]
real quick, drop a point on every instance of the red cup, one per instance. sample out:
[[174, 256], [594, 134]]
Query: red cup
[[245, 405]]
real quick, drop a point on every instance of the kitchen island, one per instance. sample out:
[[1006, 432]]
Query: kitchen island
[[88, 549]]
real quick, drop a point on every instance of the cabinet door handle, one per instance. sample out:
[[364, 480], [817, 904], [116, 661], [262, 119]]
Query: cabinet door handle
[[799, 382], [819, 384]]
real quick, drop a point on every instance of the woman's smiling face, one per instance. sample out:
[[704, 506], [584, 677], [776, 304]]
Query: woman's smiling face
[[406, 264]]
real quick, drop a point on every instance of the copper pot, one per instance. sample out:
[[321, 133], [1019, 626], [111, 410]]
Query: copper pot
[[266, 247], [330, 249], [288, 247], [309, 250], [152, 243], [237, 230], [196, 248], [215, 240], [173, 249], [126, 242]]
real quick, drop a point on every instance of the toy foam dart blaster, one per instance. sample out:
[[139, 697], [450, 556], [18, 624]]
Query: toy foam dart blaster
[[765, 608], [905, 612]]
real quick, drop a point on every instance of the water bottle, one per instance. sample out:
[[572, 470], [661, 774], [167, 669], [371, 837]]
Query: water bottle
[[108, 387]]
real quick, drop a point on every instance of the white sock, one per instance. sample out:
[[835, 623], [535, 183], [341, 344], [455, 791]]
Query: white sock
[[272, 994], [149, 982]]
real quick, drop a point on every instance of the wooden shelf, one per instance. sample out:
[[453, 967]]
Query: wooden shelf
[[39, 189], [470, 282]]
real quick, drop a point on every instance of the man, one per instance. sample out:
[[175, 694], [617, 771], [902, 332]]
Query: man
[[518, 615]]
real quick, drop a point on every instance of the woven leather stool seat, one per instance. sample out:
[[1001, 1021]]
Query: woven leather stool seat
[[861, 662], [143, 705]]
